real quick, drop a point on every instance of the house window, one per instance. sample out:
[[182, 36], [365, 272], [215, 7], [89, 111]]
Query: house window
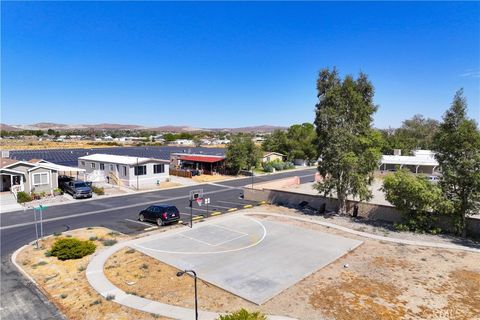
[[82, 163], [140, 170], [158, 168], [125, 171], [93, 165], [112, 167], [102, 166], [40, 178]]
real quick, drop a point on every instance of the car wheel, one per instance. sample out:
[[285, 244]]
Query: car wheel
[[141, 217], [160, 222]]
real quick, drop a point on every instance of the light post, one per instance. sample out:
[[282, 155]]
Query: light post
[[252, 176], [181, 273]]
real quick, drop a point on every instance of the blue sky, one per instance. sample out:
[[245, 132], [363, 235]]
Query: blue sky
[[224, 64]]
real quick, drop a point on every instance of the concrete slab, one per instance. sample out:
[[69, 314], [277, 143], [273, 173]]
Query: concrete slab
[[253, 259]]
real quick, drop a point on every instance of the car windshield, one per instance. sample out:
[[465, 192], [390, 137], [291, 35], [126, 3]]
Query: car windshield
[[80, 185]]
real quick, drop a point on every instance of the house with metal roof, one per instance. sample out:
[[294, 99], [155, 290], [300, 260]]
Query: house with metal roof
[[134, 172], [422, 161]]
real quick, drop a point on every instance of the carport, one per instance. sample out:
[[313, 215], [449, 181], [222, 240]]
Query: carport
[[208, 164]]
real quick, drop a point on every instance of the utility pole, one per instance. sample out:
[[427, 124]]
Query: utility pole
[[137, 173]]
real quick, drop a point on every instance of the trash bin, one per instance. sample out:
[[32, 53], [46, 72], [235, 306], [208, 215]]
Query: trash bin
[[323, 208], [355, 210]]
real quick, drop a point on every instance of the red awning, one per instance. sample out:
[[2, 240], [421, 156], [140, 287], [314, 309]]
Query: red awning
[[201, 159]]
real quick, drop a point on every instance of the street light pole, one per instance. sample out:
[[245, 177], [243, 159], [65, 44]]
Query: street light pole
[[252, 177], [181, 273]]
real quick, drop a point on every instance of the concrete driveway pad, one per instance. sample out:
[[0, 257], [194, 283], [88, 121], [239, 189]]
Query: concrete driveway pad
[[254, 259]]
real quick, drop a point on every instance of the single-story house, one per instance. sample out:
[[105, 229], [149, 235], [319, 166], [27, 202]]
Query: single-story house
[[135, 172], [272, 156], [208, 164], [35, 175], [422, 161]]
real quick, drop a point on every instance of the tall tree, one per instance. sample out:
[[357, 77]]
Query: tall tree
[[301, 141], [458, 153], [241, 154], [276, 142], [348, 147], [415, 133]]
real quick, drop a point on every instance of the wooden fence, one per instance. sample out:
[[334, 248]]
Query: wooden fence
[[180, 173]]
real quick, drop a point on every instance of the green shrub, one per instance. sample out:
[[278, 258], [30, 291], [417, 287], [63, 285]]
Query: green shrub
[[72, 248], [110, 297], [243, 314], [23, 197], [93, 238], [109, 242], [98, 190]]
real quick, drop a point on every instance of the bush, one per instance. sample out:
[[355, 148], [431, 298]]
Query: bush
[[109, 242], [98, 190], [72, 248], [243, 314], [23, 197]]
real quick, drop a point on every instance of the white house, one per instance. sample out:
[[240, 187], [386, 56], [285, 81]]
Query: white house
[[422, 161], [135, 172]]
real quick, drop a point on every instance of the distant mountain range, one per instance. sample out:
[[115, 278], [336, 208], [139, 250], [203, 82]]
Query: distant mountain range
[[116, 126]]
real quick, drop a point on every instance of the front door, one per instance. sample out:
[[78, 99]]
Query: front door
[[16, 180], [6, 182]]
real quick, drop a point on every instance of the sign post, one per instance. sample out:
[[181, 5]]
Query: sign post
[[38, 221]]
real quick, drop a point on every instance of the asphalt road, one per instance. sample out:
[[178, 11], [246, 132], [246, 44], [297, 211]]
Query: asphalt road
[[117, 213]]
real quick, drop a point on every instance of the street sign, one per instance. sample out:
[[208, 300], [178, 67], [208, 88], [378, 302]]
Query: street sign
[[207, 200]]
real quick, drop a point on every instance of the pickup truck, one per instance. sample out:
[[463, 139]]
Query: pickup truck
[[78, 189]]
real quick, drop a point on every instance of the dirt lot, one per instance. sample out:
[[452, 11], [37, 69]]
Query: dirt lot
[[65, 283], [210, 178], [378, 280], [11, 144]]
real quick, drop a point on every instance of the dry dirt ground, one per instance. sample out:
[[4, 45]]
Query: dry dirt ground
[[210, 178], [378, 280], [65, 283], [11, 144]]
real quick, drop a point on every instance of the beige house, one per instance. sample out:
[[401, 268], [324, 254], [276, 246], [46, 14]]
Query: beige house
[[35, 175], [272, 156]]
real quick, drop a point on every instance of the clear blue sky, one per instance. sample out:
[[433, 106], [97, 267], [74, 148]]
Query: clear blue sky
[[221, 64]]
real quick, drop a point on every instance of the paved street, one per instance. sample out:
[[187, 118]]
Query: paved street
[[117, 213]]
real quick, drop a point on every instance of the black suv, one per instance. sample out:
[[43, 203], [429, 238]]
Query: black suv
[[160, 213]]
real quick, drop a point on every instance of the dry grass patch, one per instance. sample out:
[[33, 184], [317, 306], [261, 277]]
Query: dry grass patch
[[357, 297], [144, 276], [210, 178], [65, 283]]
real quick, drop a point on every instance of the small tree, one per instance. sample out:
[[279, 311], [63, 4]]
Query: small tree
[[415, 197], [348, 147], [458, 153], [241, 154]]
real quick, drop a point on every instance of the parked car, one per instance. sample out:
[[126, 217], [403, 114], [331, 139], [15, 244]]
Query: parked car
[[162, 214], [78, 189], [433, 179], [63, 180]]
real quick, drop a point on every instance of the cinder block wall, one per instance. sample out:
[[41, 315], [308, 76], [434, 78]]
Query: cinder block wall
[[367, 210]]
